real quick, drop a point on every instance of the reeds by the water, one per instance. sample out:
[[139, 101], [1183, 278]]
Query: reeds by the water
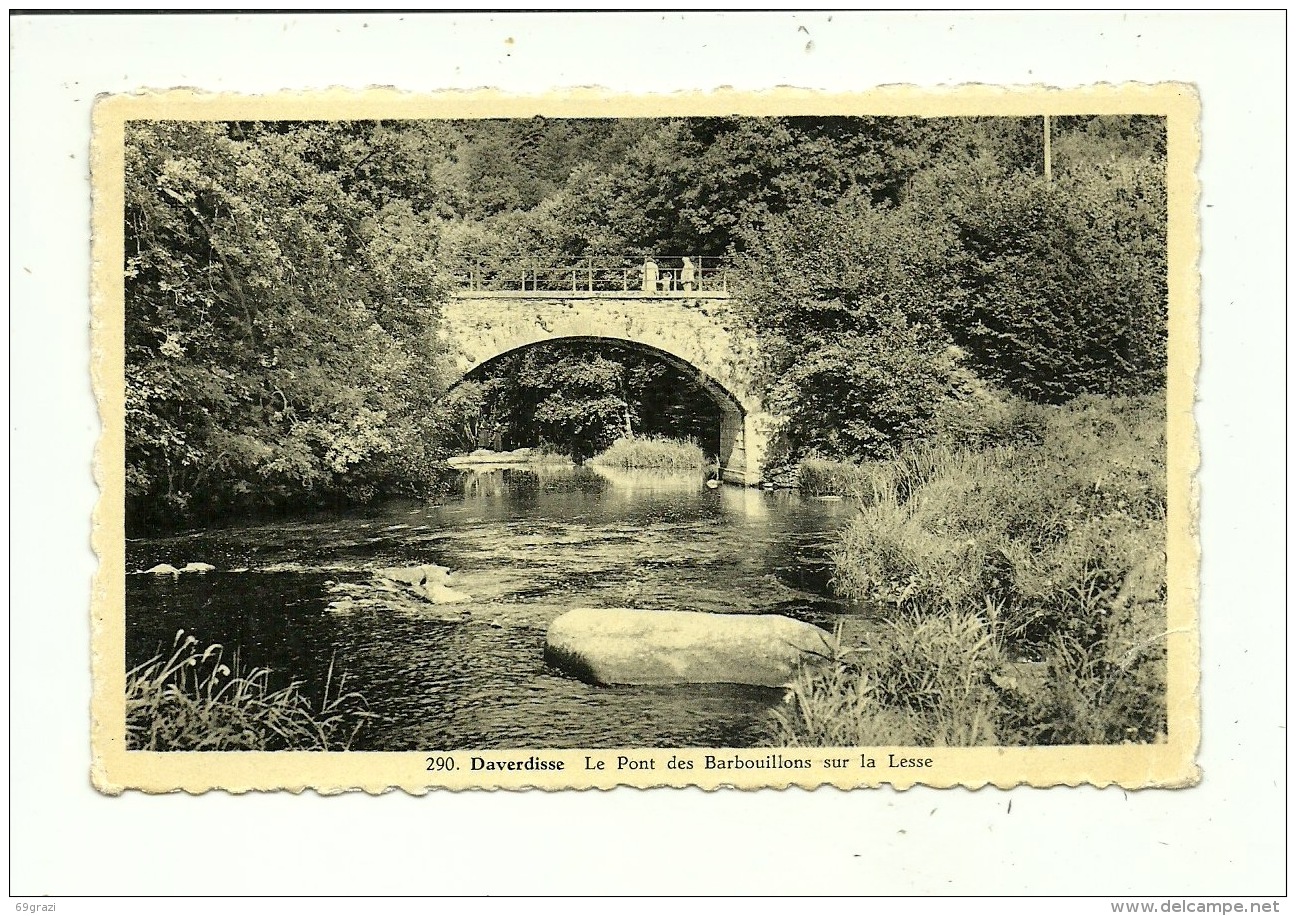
[[824, 477], [652, 452], [191, 700]]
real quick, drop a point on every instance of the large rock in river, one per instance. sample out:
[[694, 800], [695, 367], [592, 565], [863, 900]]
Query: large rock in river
[[625, 646]]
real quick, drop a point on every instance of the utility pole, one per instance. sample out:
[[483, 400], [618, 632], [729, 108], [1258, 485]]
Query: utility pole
[[1048, 150]]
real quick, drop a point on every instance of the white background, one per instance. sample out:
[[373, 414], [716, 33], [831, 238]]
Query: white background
[[1225, 837]]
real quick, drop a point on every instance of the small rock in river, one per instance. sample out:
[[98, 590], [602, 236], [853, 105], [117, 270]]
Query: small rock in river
[[440, 594], [198, 568], [414, 575], [428, 581], [163, 569]]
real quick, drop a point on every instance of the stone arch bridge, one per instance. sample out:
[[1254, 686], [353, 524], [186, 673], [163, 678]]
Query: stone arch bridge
[[687, 320]]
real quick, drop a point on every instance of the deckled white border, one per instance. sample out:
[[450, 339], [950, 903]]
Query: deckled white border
[[1219, 837], [1131, 767]]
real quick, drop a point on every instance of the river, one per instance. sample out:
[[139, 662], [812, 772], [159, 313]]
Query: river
[[526, 545]]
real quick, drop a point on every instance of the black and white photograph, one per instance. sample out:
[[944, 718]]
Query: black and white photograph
[[737, 431]]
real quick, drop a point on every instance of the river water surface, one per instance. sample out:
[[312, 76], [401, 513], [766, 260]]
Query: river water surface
[[526, 545]]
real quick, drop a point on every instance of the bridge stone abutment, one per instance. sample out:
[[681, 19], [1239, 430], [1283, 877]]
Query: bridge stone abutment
[[701, 336]]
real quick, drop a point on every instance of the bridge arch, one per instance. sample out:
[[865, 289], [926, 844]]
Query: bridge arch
[[694, 337]]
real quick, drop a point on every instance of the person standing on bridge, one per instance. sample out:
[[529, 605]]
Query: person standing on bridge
[[687, 275], [650, 275]]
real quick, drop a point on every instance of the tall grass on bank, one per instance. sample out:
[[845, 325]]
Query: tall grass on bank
[[873, 481], [655, 452], [824, 477], [193, 701], [1042, 565], [922, 683]]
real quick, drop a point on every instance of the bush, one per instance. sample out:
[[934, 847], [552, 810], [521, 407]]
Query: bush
[[847, 301], [977, 415], [1065, 282], [657, 452], [270, 362], [861, 393], [193, 701]]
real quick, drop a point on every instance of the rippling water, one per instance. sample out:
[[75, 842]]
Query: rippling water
[[526, 545]]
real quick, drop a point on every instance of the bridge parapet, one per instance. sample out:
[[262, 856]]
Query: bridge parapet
[[618, 277]]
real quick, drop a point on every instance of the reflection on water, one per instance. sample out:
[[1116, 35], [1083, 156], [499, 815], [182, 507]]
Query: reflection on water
[[526, 545], [751, 505], [680, 482]]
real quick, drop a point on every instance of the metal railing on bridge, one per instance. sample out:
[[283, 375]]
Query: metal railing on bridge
[[660, 275]]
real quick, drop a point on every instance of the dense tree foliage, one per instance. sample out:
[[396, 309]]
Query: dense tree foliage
[[882, 313], [1050, 289], [1065, 283], [848, 299], [278, 339]]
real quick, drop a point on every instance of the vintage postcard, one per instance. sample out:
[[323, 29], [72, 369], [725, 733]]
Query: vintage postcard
[[578, 441]]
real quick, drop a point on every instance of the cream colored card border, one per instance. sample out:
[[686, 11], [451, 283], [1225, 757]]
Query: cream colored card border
[[1131, 766]]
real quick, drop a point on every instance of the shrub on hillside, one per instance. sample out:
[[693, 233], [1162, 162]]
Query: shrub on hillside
[[977, 415], [270, 362], [861, 393]]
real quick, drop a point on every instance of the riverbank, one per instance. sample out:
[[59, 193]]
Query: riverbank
[[1024, 586]]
